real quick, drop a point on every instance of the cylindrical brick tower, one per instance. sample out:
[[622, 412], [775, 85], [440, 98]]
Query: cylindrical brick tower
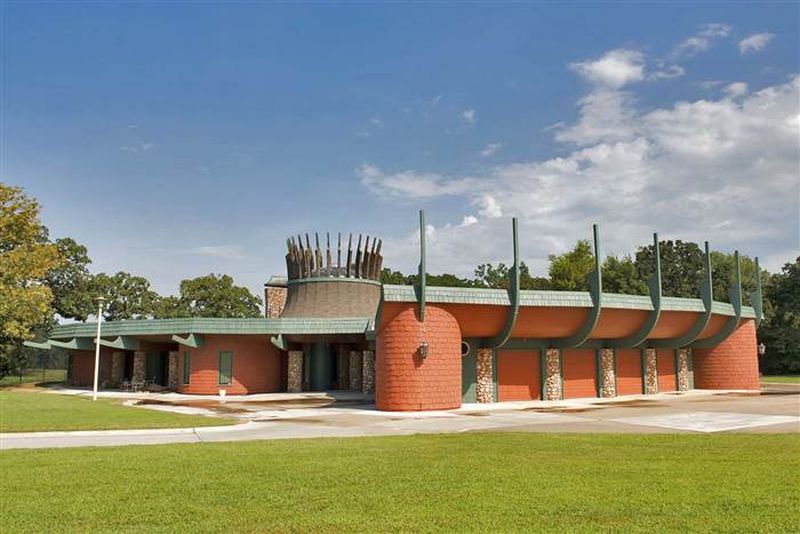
[[730, 365], [407, 381]]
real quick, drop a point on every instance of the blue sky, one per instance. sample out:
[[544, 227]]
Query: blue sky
[[181, 139]]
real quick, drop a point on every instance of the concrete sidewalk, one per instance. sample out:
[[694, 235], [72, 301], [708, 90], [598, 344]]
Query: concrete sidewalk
[[776, 409]]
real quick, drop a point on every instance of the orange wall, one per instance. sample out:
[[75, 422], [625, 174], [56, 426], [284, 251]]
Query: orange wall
[[256, 366], [518, 375], [580, 379], [83, 367], [629, 372], [405, 381], [733, 364], [665, 367]]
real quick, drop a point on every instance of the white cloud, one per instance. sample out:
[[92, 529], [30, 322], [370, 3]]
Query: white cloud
[[719, 169], [667, 73], [703, 39], [491, 149], [755, 43], [736, 89], [710, 84], [468, 116], [615, 69]]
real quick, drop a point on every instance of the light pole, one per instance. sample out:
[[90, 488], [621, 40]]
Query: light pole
[[100, 301]]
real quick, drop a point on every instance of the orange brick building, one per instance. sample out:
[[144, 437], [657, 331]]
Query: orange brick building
[[331, 325]]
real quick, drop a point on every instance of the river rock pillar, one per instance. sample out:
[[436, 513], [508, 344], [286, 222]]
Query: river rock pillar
[[139, 365], [117, 367], [682, 369], [552, 375], [368, 372], [484, 383], [608, 379], [294, 371], [172, 370], [650, 368], [355, 370]]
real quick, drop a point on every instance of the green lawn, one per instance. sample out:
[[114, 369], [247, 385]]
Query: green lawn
[[29, 410], [450, 483], [786, 379], [34, 376]]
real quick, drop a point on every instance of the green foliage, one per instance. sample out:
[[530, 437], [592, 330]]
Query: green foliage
[[570, 271], [781, 331], [723, 268], [70, 281], [621, 276], [209, 296], [129, 296], [682, 267]]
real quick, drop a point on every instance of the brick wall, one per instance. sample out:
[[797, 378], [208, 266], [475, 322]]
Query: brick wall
[[518, 375], [733, 364], [629, 372], [666, 370], [580, 377], [404, 381], [256, 366]]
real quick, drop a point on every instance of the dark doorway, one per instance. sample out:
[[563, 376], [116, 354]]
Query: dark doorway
[[156, 367]]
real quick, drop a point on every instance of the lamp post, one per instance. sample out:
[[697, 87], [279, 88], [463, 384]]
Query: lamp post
[[100, 301]]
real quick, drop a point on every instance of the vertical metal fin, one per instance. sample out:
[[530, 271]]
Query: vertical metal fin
[[423, 274], [349, 255], [339, 256], [328, 255], [504, 335], [357, 273], [756, 297]]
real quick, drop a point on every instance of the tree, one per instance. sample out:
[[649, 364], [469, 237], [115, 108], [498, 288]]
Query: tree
[[682, 267], [488, 275], [389, 276], [570, 271], [70, 281], [621, 276], [25, 259], [781, 332], [723, 268], [210, 296], [129, 297]]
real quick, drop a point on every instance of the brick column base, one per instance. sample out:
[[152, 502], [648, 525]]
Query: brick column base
[[650, 365], [139, 364], [117, 368], [172, 370], [355, 370], [368, 372], [608, 379], [682, 371], [484, 382], [294, 378], [552, 375]]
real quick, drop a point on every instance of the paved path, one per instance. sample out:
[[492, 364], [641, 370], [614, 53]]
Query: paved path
[[777, 409]]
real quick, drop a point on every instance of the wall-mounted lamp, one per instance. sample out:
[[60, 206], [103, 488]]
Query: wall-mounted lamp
[[423, 350], [762, 349]]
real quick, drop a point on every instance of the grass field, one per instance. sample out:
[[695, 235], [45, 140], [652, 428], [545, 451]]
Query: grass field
[[785, 379], [33, 376], [29, 410], [452, 483]]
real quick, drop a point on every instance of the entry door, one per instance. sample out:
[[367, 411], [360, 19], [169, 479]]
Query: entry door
[[469, 371], [154, 368]]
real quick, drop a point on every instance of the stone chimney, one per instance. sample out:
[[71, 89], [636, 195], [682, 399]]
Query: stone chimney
[[274, 297]]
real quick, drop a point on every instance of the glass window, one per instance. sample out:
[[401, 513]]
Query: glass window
[[225, 368], [187, 366]]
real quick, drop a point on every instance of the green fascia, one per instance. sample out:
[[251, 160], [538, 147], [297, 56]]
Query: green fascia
[[707, 298], [735, 295], [76, 343], [194, 341], [756, 297], [423, 271], [280, 342], [34, 345], [122, 342], [596, 291], [654, 285], [503, 336]]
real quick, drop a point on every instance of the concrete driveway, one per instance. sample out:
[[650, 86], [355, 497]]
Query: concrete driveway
[[775, 409]]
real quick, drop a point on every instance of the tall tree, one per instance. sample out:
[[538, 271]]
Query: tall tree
[[129, 297], [621, 276], [682, 267], [497, 276], [70, 281], [723, 269], [781, 331], [210, 296], [570, 271]]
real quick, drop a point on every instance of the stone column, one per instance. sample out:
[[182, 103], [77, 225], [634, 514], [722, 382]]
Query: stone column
[[552, 374], [649, 362], [117, 367], [368, 372], [682, 371], [139, 365], [484, 382], [294, 378], [172, 370], [608, 384], [355, 370], [343, 367]]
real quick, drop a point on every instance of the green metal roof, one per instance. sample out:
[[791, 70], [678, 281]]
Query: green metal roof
[[198, 325], [566, 299]]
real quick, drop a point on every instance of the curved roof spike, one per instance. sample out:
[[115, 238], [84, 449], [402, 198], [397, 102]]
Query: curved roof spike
[[596, 291], [654, 286], [756, 297], [422, 272], [735, 295], [502, 337]]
